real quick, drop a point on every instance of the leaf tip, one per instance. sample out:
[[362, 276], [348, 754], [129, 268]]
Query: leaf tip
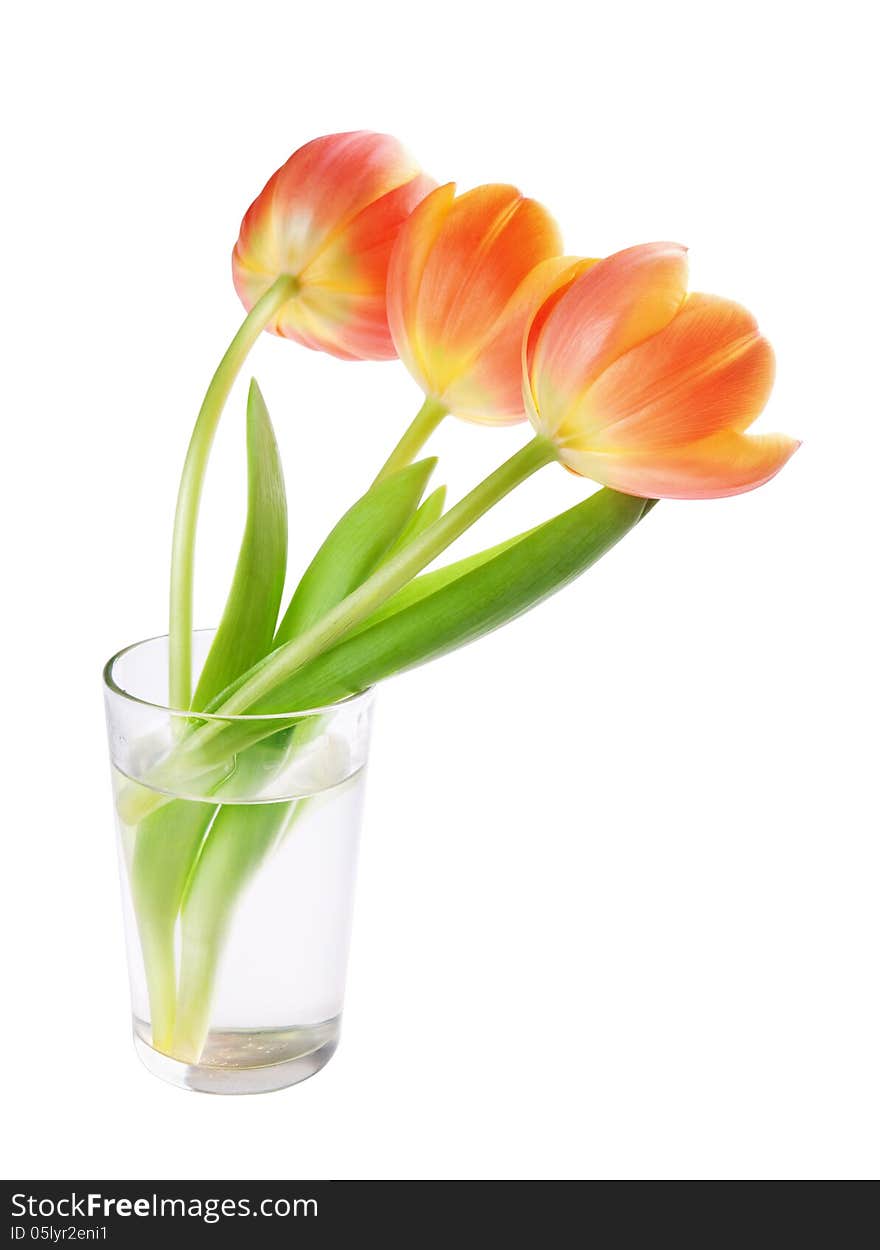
[[256, 405], [426, 467]]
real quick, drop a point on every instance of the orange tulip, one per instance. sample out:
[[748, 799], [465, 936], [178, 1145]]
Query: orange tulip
[[647, 389], [328, 218], [466, 274]]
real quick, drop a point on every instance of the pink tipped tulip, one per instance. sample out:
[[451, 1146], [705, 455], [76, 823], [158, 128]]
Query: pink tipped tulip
[[648, 389]]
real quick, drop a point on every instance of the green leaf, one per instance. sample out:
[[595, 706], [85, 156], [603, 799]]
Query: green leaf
[[248, 624], [168, 841], [430, 510], [420, 587], [487, 596], [354, 547]]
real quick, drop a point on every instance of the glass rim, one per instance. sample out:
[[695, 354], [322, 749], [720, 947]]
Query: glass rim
[[113, 686]]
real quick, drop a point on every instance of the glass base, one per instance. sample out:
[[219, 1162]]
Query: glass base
[[241, 1061]]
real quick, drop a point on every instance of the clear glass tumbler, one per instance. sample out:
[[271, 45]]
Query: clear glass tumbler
[[238, 844]]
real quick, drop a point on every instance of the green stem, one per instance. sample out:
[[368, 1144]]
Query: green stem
[[417, 433], [240, 838], [192, 480], [157, 949], [385, 582]]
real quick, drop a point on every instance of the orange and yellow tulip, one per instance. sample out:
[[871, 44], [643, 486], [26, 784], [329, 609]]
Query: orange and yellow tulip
[[328, 219], [648, 389], [466, 274]]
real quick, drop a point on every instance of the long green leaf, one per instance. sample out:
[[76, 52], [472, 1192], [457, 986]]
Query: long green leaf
[[468, 607], [428, 511], [429, 583], [248, 623], [354, 547]]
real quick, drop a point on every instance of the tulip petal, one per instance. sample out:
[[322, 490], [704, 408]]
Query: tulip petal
[[710, 369], [344, 325], [727, 463], [605, 312], [490, 391], [315, 194], [491, 239], [494, 237], [408, 258], [358, 251]]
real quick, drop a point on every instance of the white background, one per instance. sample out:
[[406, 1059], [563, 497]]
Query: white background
[[617, 901]]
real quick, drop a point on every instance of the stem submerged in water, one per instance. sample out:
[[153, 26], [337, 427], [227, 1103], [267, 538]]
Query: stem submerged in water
[[240, 838]]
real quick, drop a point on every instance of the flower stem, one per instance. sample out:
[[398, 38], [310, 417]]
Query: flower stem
[[240, 838], [192, 480], [417, 433]]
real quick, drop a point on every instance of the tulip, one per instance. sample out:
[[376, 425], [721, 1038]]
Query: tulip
[[310, 264], [328, 219], [465, 277], [647, 389]]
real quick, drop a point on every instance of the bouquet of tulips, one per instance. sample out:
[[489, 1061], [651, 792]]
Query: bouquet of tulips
[[624, 377]]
